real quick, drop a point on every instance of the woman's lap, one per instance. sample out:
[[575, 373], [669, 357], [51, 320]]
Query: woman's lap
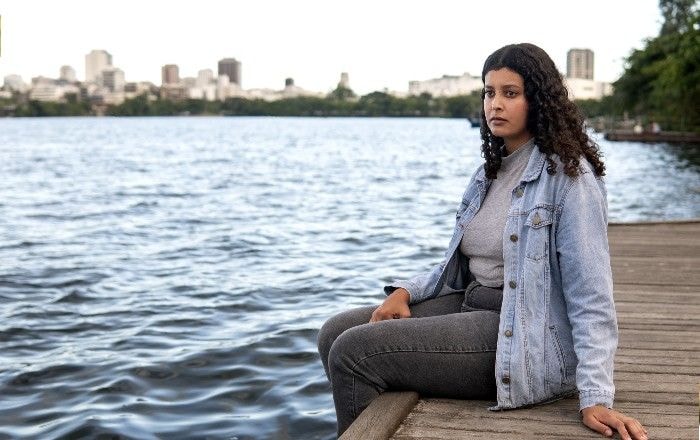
[[438, 351]]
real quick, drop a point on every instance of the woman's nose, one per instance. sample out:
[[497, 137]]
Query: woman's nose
[[496, 103]]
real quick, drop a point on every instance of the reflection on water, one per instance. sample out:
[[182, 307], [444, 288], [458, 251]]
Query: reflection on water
[[166, 277]]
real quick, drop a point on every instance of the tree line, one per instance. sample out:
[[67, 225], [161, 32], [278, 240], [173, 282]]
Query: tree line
[[337, 103]]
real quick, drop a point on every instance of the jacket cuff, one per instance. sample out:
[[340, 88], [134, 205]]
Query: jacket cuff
[[592, 398], [390, 289]]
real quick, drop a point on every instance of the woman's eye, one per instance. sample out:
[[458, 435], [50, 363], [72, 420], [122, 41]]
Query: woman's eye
[[490, 93], [511, 94]]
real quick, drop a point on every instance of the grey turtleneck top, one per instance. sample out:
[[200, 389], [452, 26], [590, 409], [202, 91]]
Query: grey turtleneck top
[[482, 241]]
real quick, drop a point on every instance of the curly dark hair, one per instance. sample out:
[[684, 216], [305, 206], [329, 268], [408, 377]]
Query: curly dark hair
[[555, 122]]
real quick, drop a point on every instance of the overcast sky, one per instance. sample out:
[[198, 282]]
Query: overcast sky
[[380, 43]]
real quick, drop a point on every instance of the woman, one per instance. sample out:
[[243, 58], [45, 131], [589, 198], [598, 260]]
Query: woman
[[521, 308]]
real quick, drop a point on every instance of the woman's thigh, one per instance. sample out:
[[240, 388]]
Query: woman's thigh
[[352, 318], [450, 355]]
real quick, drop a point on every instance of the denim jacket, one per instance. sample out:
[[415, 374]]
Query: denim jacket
[[558, 326]]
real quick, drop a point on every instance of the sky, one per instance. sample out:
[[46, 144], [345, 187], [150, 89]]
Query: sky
[[382, 44]]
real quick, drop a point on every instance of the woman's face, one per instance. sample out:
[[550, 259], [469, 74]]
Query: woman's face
[[505, 107]]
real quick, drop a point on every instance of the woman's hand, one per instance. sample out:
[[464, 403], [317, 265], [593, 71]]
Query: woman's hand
[[604, 420], [395, 306]]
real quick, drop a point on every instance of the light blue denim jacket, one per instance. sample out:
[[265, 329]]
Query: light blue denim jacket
[[558, 326]]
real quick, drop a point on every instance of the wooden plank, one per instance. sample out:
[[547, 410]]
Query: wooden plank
[[448, 419], [660, 335], [665, 292], [623, 359], [647, 345], [381, 418], [646, 368], [689, 381], [658, 355], [652, 272], [625, 396]]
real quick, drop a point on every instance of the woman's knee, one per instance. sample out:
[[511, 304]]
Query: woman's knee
[[338, 324]]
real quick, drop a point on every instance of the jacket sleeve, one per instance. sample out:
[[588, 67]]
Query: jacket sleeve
[[420, 287], [584, 262]]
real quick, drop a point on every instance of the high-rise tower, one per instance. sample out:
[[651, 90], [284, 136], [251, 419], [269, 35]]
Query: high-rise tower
[[579, 63], [232, 68], [95, 62]]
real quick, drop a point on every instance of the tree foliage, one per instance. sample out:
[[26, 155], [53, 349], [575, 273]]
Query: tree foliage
[[662, 80]]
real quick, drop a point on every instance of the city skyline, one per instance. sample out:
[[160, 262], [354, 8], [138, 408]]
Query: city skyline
[[381, 46]]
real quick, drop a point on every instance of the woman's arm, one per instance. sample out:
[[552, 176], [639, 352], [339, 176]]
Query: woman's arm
[[584, 261], [586, 276]]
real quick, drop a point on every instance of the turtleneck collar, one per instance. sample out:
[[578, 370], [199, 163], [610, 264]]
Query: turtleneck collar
[[520, 155]]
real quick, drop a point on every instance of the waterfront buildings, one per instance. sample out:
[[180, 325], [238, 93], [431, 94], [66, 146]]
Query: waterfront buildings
[[113, 79], [106, 84], [49, 89], [95, 62], [579, 63], [68, 74], [14, 83], [579, 76], [447, 85], [344, 80], [170, 74], [580, 88], [231, 68]]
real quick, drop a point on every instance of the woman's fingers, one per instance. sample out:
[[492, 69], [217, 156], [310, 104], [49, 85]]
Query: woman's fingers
[[597, 426], [605, 421], [378, 315], [395, 306], [636, 429]]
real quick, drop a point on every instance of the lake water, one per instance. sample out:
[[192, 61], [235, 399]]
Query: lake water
[[166, 277]]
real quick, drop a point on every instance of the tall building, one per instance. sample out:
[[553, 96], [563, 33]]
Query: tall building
[[579, 63], [231, 68], [15, 84], [170, 74], [68, 74], [205, 77], [344, 80], [95, 62], [113, 79]]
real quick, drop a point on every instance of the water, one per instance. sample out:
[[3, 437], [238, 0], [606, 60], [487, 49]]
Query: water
[[166, 277]]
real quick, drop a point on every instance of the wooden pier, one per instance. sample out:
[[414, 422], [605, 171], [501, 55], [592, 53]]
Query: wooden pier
[[683, 137], [656, 270]]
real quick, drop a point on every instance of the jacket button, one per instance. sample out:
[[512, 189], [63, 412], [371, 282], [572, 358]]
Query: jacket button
[[505, 379], [519, 192], [514, 238], [508, 333], [512, 284], [537, 220]]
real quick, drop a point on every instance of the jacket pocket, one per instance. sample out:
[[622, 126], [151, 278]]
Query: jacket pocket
[[556, 363], [538, 226]]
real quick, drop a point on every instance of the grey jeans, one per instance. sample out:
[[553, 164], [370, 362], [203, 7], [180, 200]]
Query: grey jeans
[[447, 349]]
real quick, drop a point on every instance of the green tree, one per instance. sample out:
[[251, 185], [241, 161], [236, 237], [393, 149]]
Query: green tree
[[662, 80], [678, 15], [342, 93]]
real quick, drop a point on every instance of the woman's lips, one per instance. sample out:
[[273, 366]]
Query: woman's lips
[[497, 121]]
